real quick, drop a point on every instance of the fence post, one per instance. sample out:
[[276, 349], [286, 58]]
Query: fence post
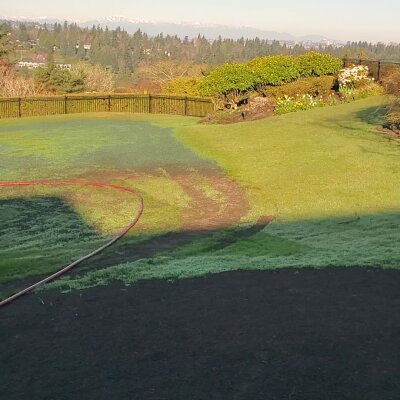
[[379, 71], [149, 103], [109, 103], [19, 107], [65, 105], [186, 105]]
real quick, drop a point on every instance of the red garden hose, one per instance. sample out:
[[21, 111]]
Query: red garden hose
[[93, 253]]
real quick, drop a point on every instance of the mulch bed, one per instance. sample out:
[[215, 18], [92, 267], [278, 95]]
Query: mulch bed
[[307, 334]]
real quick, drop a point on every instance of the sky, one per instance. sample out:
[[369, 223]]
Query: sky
[[336, 19]]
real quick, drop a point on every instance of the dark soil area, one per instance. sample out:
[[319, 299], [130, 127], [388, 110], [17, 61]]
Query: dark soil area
[[308, 334]]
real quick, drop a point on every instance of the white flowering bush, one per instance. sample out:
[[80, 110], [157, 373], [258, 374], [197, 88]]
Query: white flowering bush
[[351, 76]]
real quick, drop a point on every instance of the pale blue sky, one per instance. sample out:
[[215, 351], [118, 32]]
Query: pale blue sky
[[338, 19]]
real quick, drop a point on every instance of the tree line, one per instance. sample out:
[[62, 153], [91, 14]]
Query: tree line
[[103, 59], [125, 53]]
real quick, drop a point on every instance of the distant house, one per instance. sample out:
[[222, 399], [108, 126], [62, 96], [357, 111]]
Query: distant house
[[30, 64], [34, 65]]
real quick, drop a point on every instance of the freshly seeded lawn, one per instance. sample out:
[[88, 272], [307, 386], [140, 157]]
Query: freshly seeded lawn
[[329, 180]]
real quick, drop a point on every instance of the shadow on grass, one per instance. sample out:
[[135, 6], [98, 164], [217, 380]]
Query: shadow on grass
[[373, 115], [366, 240], [353, 241], [40, 234], [200, 241]]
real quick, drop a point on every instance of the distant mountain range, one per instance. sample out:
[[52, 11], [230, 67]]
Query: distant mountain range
[[193, 30], [183, 29]]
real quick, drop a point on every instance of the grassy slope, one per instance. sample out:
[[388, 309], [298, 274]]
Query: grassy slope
[[77, 148], [313, 164], [331, 181], [40, 234], [69, 146]]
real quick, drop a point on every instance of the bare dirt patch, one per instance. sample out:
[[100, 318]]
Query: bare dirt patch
[[216, 201], [256, 108]]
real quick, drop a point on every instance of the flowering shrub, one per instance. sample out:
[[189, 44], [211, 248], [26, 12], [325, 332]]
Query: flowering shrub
[[353, 75], [355, 84], [287, 104]]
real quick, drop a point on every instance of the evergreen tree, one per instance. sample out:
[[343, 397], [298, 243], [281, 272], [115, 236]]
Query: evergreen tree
[[4, 40]]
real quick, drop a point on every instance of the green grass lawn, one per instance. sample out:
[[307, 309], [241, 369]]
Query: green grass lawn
[[331, 182], [40, 234], [325, 162], [64, 147], [120, 150]]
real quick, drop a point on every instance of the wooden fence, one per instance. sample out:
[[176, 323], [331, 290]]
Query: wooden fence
[[378, 69], [150, 104]]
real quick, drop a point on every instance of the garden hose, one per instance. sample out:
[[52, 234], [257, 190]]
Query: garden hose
[[90, 255]]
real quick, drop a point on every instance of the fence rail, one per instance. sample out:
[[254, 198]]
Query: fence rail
[[378, 69], [149, 104]]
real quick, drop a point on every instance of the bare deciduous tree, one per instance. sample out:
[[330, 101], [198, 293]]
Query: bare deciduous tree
[[95, 77], [162, 72], [14, 85]]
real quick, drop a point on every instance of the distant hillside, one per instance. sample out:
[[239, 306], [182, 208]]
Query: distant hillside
[[182, 30]]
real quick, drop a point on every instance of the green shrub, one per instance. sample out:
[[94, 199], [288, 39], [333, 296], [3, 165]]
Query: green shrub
[[184, 86], [314, 86], [59, 80], [317, 64], [228, 83], [275, 70]]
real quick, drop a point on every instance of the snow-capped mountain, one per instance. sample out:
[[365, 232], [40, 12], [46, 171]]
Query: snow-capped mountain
[[122, 19], [41, 20], [190, 29]]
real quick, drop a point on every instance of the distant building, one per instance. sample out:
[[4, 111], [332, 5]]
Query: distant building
[[30, 64], [34, 65]]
